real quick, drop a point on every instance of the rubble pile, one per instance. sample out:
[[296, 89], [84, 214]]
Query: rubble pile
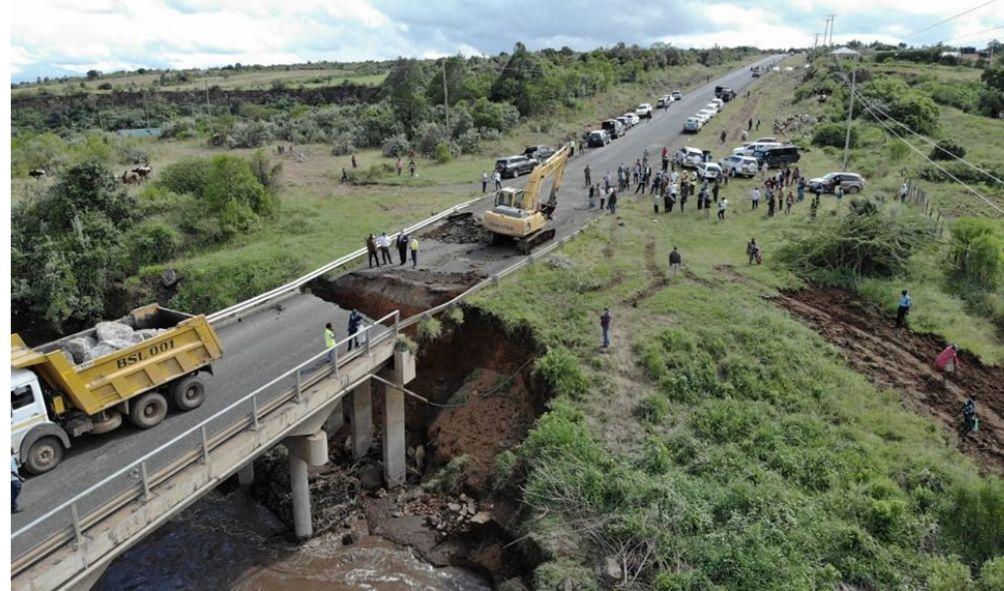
[[447, 515], [462, 229], [108, 338]]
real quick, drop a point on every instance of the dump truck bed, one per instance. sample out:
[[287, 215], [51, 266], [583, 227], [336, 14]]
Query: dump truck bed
[[181, 345]]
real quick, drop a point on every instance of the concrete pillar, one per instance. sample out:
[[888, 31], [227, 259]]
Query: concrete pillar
[[336, 420], [304, 450], [394, 467], [361, 415], [245, 476]]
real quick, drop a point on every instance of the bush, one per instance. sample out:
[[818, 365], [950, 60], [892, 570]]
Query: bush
[[865, 241], [946, 574], [342, 144], [188, 175], [653, 409], [834, 135], [396, 146], [977, 250], [973, 521], [429, 329], [560, 369], [443, 153], [235, 195], [182, 129], [267, 173], [947, 150], [429, 136], [151, 243], [250, 135], [992, 575]]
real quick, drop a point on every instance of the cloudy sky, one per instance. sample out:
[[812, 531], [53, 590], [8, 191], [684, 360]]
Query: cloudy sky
[[56, 37]]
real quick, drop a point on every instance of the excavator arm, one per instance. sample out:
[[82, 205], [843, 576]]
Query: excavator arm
[[553, 166]]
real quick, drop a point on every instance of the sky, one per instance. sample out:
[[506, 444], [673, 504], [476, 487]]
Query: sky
[[69, 37]]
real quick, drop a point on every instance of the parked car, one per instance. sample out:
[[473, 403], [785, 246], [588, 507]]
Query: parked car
[[850, 181], [704, 116], [513, 166], [677, 95], [736, 165], [598, 138], [726, 94], [626, 122], [713, 107], [539, 153], [688, 156], [768, 138], [644, 111], [777, 156], [750, 148], [633, 118], [709, 170], [614, 127], [693, 125], [707, 113], [663, 102]]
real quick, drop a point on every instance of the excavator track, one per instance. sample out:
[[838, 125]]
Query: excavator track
[[526, 244]]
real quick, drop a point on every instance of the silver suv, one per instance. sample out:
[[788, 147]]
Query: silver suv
[[850, 182], [513, 166]]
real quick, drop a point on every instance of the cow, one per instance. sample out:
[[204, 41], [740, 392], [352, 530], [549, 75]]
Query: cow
[[37, 174], [129, 177], [143, 171]]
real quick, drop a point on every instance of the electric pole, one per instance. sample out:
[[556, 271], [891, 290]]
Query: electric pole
[[831, 17], [814, 43]]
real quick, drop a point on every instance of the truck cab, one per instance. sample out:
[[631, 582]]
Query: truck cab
[[37, 442]]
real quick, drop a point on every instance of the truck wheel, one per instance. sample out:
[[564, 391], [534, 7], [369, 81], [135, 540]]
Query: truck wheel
[[43, 455], [148, 410], [188, 393]]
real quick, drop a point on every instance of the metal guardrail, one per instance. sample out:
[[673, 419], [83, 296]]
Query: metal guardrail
[[262, 299], [143, 481]]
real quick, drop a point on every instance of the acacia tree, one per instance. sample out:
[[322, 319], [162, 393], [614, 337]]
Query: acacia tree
[[404, 89]]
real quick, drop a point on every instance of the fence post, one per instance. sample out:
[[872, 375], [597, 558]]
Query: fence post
[[299, 387], [78, 533], [146, 482], [254, 412], [205, 445], [368, 330]]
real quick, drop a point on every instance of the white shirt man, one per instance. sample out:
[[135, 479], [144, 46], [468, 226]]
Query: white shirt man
[[755, 196]]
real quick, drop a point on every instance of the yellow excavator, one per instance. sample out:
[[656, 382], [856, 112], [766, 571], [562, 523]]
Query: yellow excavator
[[519, 214]]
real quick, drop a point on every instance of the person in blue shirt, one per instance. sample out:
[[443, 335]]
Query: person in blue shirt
[[355, 320], [904, 308], [15, 485]]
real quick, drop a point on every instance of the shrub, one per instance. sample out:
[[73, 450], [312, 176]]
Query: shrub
[[182, 129], [947, 150], [560, 369], [235, 195], [429, 329], [152, 242], [267, 173], [978, 250], [253, 134], [947, 574], [188, 175], [443, 153], [342, 144], [469, 141], [396, 146], [865, 241], [834, 135], [973, 521], [429, 136], [653, 409], [992, 575]]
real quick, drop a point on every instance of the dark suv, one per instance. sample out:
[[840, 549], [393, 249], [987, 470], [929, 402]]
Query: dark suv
[[513, 166], [777, 157], [539, 153]]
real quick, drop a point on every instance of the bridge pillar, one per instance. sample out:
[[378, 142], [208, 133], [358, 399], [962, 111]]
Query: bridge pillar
[[245, 476], [304, 451], [361, 416], [394, 439]]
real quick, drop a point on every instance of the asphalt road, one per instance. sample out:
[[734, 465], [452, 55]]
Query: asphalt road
[[277, 339]]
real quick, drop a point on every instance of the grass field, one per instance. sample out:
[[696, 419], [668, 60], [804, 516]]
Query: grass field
[[719, 443]]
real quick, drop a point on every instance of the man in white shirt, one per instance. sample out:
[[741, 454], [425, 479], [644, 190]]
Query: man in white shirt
[[383, 243], [755, 196]]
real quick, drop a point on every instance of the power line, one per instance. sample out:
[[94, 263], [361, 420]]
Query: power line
[[951, 18], [972, 34], [917, 150], [929, 141]]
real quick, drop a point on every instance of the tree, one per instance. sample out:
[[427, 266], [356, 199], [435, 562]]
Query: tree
[[93, 74], [520, 73], [993, 78], [403, 87]]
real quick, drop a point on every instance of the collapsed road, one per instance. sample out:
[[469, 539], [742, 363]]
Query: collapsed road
[[277, 338]]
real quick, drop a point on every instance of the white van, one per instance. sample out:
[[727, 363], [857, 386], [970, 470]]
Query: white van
[[750, 148]]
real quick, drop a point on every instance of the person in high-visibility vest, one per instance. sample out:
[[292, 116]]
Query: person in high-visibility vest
[[329, 341], [413, 245]]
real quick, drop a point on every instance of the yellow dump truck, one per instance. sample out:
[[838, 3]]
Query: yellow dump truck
[[86, 383]]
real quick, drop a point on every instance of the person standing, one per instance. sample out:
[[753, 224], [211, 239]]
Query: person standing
[[384, 243], [751, 249], [413, 245], [655, 202], [15, 485], [484, 182], [970, 422], [903, 190], [675, 260], [722, 137], [665, 158], [612, 202], [411, 167], [371, 249], [714, 191], [399, 166], [345, 175], [589, 176], [671, 197], [592, 196], [904, 308], [605, 319], [749, 125], [722, 205], [755, 198], [354, 164], [788, 202], [800, 189], [758, 125], [770, 203], [355, 322], [402, 246], [606, 183], [329, 341], [498, 180]]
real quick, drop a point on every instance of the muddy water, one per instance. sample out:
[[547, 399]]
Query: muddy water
[[231, 542]]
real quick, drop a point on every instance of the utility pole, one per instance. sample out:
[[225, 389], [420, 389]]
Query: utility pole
[[826, 28], [846, 51], [829, 26], [446, 99], [814, 43]]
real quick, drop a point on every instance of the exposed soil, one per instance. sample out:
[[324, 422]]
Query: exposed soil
[[902, 361], [381, 290], [460, 229], [659, 278]]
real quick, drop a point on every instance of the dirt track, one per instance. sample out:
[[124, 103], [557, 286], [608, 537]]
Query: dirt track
[[902, 361]]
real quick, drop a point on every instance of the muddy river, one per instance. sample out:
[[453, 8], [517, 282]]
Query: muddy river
[[231, 542]]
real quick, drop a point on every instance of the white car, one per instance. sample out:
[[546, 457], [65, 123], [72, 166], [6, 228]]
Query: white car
[[768, 138], [693, 124], [713, 108], [633, 118], [689, 157], [644, 111], [663, 101], [677, 95], [718, 103], [750, 148], [707, 113], [709, 170], [739, 165]]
